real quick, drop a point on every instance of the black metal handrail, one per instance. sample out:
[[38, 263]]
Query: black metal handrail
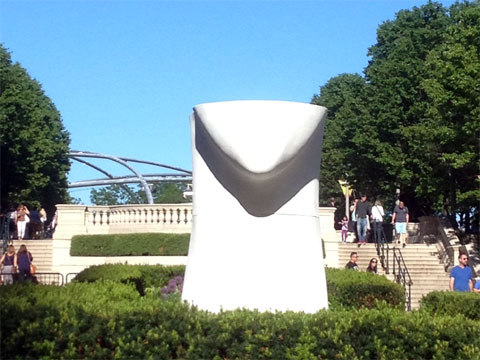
[[402, 276], [5, 229], [400, 270], [383, 250], [44, 278]]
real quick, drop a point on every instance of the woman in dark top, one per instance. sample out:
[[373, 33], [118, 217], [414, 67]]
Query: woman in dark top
[[9, 262], [372, 266], [24, 260]]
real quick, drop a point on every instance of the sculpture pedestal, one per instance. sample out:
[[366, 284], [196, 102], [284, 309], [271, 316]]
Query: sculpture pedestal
[[264, 252]]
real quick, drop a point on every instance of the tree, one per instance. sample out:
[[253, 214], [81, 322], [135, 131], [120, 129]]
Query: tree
[[398, 102], [112, 195], [344, 96], [163, 193], [452, 84], [33, 142], [413, 124]]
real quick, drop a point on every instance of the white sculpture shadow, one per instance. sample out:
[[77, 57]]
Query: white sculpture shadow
[[256, 239]]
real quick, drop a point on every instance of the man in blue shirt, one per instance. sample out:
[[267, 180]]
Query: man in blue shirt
[[461, 275]]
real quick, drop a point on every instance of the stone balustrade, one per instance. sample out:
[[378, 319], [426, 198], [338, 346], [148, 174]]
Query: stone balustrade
[[134, 218], [121, 219], [164, 218]]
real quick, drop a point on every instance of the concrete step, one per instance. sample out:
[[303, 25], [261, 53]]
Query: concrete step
[[41, 251]]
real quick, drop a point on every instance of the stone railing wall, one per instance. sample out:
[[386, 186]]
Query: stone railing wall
[[433, 232], [121, 219], [169, 218]]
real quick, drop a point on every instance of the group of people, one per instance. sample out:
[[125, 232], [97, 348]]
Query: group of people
[[16, 266], [364, 217], [31, 224], [461, 276], [352, 264]]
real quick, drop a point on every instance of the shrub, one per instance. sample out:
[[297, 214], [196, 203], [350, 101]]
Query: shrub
[[349, 288], [107, 320], [153, 244], [346, 288], [452, 303], [142, 276]]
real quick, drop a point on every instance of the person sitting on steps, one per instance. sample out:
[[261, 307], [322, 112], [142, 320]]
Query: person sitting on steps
[[352, 264]]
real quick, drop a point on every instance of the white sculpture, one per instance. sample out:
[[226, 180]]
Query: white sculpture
[[256, 239]]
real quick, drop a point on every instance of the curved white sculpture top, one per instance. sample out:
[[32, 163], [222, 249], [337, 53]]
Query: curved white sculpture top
[[260, 135], [256, 239]]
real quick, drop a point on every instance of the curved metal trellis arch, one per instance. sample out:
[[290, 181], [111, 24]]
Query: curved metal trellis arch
[[181, 175]]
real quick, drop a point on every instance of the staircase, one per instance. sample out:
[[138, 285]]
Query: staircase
[[42, 252], [423, 264]]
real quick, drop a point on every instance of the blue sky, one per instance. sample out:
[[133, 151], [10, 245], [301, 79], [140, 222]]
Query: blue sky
[[126, 74]]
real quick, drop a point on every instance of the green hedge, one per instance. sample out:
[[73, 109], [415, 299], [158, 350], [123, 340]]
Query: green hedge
[[452, 303], [153, 244], [351, 288], [142, 276], [346, 288], [109, 320]]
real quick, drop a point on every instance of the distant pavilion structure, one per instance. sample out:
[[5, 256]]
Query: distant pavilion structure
[[174, 174]]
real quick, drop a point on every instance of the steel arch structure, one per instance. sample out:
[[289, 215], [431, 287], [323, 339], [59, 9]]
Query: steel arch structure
[[179, 175]]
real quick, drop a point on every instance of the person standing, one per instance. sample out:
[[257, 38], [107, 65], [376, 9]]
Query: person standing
[[24, 260], [461, 275], [353, 218], [21, 220], [363, 212], [377, 221], [344, 224], [352, 264], [400, 218], [9, 262]]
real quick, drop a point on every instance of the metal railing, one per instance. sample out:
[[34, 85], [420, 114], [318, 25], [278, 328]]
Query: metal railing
[[43, 278], [402, 276], [5, 229], [400, 270], [49, 278], [383, 250], [69, 277]]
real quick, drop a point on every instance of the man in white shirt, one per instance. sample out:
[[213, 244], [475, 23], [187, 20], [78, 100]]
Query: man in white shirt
[[377, 221]]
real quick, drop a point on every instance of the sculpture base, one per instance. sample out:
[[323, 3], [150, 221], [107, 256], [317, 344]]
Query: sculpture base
[[272, 263]]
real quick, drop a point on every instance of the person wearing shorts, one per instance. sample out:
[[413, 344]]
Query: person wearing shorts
[[400, 219]]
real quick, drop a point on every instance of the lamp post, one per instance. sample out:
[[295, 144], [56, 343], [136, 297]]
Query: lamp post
[[346, 192], [397, 193]]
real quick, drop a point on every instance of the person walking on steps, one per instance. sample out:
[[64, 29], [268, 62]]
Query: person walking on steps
[[344, 224], [9, 262], [363, 212], [400, 218], [21, 220], [377, 221], [461, 275], [24, 261]]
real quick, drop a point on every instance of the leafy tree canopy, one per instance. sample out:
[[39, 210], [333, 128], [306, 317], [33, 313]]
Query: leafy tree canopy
[[163, 193], [413, 121], [33, 142]]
